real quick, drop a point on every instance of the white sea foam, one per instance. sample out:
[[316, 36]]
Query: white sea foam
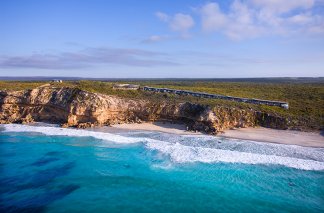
[[201, 149], [183, 154], [70, 132]]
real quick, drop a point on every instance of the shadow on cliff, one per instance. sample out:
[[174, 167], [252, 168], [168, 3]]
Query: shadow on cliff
[[171, 125]]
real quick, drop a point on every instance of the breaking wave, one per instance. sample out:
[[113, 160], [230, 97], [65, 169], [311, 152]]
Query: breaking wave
[[183, 154], [57, 131], [205, 149]]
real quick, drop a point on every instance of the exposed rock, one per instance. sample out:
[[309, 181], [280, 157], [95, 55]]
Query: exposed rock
[[72, 107]]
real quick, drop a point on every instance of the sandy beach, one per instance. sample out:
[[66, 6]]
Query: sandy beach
[[290, 137], [310, 139], [156, 126]]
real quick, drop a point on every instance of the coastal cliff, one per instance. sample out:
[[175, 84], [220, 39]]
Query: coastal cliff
[[72, 107]]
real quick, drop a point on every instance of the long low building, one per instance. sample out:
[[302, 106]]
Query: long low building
[[284, 105]]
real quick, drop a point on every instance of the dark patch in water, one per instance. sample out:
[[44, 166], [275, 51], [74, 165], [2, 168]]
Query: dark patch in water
[[44, 160], [44, 177], [127, 166], [40, 179], [291, 184], [53, 153], [43, 184], [38, 203], [6, 155], [15, 209], [65, 190], [10, 184]]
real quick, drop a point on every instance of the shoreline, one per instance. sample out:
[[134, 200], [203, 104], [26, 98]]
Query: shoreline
[[159, 126], [258, 134], [288, 137]]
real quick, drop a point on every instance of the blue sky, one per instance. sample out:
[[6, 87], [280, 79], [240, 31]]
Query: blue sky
[[162, 38]]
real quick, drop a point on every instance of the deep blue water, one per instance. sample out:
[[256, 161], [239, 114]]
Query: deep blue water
[[56, 173]]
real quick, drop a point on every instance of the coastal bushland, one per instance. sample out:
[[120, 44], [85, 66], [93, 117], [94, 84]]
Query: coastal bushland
[[306, 99]]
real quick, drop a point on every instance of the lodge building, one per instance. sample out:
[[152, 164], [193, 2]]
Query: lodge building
[[284, 105]]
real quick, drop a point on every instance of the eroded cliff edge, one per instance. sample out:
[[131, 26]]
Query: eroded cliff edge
[[76, 108]]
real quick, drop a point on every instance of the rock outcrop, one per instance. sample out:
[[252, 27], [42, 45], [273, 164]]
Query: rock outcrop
[[73, 107]]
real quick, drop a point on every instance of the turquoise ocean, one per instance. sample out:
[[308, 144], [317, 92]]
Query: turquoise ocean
[[51, 169]]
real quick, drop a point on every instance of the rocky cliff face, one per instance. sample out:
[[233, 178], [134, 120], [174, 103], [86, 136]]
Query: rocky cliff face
[[77, 108]]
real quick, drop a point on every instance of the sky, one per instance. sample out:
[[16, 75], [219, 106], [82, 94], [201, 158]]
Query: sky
[[162, 38]]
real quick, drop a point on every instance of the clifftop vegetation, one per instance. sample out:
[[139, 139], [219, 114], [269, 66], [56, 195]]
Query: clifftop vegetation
[[306, 100]]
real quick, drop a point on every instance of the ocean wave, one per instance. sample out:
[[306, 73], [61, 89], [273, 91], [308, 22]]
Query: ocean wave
[[57, 131], [206, 149], [239, 145], [185, 154]]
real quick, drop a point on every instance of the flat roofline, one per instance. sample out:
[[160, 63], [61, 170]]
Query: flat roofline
[[225, 96]]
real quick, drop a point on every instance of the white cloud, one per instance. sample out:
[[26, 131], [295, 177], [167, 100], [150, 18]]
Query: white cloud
[[300, 19], [251, 18], [179, 22], [238, 23], [254, 18], [212, 17], [162, 16], [282, 6], [86, 58], [156, 38]]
